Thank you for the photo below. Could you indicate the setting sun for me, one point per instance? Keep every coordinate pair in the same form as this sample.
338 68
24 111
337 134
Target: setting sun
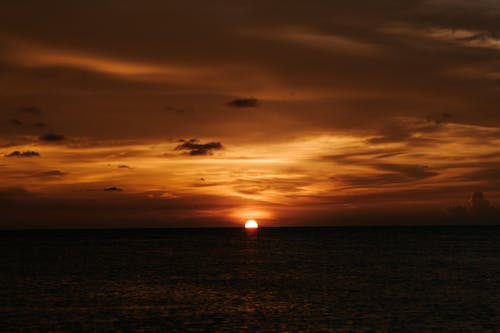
251 224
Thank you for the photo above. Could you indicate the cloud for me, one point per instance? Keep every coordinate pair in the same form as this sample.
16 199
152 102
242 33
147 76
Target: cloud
486 6
50 174
16 122
411 130
370 153
393 132
123 166
51 137
30 55
10 195
393 174
271 184
40 124
468 38
28 153
373 180
477 208
439 118
479 205
457 36
409 170
486 176
324 41
199 149
21 208
243 102
30 110
180 110
113 189
458 212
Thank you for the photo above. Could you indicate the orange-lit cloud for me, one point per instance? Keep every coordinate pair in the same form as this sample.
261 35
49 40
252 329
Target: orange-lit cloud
268 178
33 55
318 40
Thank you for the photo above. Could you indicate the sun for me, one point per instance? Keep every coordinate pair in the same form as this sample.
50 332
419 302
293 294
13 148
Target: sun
251 224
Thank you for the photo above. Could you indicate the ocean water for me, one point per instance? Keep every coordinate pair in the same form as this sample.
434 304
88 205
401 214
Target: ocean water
426 279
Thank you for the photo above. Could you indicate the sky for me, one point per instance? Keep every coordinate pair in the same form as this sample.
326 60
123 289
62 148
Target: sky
205 114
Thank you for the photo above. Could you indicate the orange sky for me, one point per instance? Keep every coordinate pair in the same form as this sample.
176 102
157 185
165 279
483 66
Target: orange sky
119 114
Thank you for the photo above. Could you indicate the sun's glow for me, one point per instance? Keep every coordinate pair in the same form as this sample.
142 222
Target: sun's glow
251 224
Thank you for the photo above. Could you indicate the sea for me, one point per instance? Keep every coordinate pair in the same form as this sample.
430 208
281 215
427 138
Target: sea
349 279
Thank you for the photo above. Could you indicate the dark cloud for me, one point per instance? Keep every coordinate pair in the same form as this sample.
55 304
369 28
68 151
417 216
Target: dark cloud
31 110
16 122
477 209
479 206
124 167
363 153
199 149
458 212
244 102
394 174
52 137
10 195
392 132
375 158
255 186
486 176
113 189
387 155
409 170
440 118
40 124
179 110
371 180
50 174
28 153
490 155
399 131
102 209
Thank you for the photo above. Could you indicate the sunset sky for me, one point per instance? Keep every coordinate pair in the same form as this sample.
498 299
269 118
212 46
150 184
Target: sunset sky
207 113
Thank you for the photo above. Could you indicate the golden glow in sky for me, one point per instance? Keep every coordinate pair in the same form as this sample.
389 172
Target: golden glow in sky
295 117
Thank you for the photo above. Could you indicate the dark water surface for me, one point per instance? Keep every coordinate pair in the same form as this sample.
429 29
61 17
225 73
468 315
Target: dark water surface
429 279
